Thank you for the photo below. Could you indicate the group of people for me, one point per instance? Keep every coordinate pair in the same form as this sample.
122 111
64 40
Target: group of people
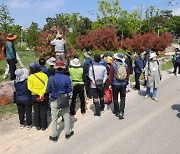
101 78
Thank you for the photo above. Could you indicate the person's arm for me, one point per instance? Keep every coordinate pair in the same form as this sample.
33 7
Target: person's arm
91 76
65 47
69 84
53 42
128 73
105 75
48 88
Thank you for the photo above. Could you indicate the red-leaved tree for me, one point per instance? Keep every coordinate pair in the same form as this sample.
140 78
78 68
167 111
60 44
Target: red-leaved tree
2 42
104 38
149 40
43 47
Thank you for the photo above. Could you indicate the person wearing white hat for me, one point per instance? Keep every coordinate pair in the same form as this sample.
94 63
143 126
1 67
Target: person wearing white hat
22 98
153 75
76 73
60 48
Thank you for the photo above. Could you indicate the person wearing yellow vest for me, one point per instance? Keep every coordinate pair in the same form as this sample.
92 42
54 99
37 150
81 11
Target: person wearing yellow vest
37 83
76 73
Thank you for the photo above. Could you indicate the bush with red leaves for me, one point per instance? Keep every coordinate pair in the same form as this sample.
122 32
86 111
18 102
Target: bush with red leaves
43 47
149 40
104 38
2 42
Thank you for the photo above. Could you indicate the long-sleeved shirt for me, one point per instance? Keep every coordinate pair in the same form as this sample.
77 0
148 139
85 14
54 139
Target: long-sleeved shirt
58 84
100 73
10 50
138 65
35 85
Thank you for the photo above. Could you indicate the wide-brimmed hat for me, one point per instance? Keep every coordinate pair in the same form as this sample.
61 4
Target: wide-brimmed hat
152 55
75 62
51 61
11 37
59 64
119 56
21 74
59 36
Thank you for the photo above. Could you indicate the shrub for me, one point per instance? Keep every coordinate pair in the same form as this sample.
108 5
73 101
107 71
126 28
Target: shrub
149 40
103 38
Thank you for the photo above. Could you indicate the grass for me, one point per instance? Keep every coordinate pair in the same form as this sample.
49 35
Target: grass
167 66
8 109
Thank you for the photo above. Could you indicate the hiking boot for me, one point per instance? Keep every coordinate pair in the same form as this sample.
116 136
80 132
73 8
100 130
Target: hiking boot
83 111
38 128
21 126
69 135
97 114
121 116
53 138
43 129
72 113
155 99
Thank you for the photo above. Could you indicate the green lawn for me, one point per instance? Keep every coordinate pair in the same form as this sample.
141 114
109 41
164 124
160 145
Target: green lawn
10 108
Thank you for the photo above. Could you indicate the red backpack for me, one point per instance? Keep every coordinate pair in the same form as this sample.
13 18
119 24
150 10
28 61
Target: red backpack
3 50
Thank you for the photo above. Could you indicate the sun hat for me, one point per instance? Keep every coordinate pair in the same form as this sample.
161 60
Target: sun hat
75 62
21 74
119 56
97 58
51 61
59 64
152 55
11 37
33 65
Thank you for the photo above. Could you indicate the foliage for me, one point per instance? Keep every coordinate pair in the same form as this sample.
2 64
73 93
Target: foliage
43 47
103 38
5 19
32 34
175 25
149 40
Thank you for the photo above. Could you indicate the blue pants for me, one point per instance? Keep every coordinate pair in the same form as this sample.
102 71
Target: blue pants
148 91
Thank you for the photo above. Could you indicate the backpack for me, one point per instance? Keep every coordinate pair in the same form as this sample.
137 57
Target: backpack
121 72
174 58
3 50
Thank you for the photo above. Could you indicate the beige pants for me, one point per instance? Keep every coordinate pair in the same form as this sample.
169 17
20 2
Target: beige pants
61 57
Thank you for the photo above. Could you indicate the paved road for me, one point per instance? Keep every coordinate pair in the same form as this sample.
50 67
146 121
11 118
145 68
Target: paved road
148 128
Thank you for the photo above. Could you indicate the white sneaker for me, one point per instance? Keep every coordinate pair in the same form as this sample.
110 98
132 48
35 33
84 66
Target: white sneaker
146 96
28 127
21 126
172 74
177 75
155 99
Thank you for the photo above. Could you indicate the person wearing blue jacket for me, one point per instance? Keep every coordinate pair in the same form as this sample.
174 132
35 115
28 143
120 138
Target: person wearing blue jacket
138 68
59 83
11 55
23 98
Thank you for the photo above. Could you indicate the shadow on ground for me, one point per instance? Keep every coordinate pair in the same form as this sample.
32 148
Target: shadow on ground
177 107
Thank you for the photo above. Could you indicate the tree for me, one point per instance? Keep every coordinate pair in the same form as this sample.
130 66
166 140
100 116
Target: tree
5 19
31 35
175 26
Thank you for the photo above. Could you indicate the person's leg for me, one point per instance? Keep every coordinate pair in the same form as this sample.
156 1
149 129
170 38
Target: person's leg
28 110
82 98
96 101
63 58
12 68
128 86
123 97
137 76
54 118
36 107
73 103
179 68
101 96
148 91
43 114
115 90
175 68
21 112
154 92
58 56
67 125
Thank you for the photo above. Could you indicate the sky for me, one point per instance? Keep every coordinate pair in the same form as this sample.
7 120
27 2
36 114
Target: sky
24 12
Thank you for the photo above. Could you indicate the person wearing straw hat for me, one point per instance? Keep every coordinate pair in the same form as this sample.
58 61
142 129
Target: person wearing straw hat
153 75
59 85
11 55
22 98
60 48
76 73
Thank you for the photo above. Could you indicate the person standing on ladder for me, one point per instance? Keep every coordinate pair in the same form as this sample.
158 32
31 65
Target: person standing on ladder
60 48
11 55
